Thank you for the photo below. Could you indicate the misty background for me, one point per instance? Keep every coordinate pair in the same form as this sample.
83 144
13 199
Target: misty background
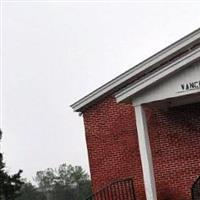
55 52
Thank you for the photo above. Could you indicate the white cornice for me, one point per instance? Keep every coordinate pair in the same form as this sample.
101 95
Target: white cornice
134 88
86 101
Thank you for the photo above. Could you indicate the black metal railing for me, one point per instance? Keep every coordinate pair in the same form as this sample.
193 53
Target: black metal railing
118 190
196 190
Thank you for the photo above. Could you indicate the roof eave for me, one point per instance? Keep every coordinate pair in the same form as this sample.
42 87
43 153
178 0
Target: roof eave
133 89
88 100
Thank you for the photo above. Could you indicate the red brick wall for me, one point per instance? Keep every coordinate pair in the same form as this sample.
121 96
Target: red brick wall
114 154
175 141
112 144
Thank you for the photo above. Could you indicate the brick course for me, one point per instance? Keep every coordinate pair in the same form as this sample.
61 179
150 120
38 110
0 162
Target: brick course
175 142
113 150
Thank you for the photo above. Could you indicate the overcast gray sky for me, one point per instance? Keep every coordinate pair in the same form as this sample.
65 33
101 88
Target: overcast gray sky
56 52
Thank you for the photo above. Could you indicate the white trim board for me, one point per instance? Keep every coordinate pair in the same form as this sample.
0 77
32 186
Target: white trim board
134 88
160 57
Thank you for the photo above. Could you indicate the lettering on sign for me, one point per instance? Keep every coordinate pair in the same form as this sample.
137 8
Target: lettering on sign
194 85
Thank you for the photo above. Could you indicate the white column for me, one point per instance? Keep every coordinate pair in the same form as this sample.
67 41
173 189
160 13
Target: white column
145 153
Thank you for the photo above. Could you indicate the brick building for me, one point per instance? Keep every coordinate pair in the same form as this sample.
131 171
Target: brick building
145 124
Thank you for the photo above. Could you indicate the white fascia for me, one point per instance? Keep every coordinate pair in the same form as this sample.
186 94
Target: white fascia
134 88
155 59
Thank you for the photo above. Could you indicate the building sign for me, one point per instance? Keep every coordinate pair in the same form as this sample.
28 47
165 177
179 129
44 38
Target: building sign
194 85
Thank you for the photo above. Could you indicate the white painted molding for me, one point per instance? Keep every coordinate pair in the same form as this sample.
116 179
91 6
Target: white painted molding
134 88
171 88
134 71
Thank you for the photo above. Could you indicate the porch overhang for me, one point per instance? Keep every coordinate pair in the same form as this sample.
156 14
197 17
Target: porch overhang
176 80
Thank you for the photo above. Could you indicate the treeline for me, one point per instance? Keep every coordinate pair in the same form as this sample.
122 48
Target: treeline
9 184
65 183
